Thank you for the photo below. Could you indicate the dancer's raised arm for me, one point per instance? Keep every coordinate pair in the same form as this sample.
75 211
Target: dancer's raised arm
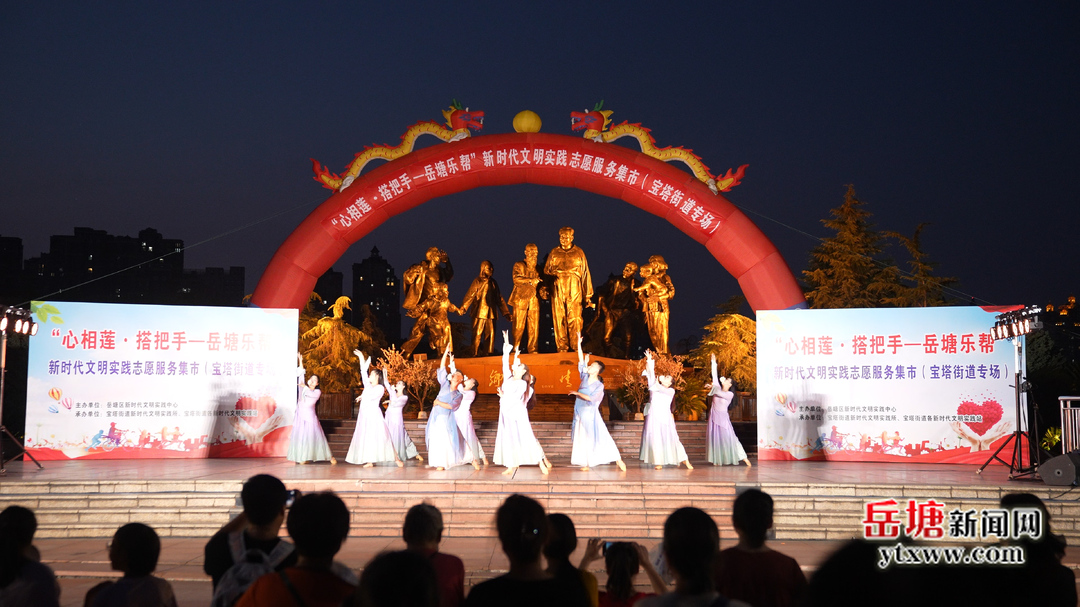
386 382
300 371
582 358
507 348
650 369
365 362
715 382
441 374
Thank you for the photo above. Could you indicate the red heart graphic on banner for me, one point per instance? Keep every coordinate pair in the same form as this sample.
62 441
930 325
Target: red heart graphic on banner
990 411
265 406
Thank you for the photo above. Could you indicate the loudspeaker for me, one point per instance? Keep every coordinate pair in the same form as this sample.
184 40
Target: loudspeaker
1061 470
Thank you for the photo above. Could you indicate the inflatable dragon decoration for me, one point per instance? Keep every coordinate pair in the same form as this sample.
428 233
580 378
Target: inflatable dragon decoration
596 124
459 120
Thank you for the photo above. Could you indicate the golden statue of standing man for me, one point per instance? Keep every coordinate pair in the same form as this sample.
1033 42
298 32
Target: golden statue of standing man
425 294
524 300
573 286
481 302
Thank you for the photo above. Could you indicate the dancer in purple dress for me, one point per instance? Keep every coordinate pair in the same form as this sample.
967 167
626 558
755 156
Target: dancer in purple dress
395 420
723 446
660 444
474 451
307 441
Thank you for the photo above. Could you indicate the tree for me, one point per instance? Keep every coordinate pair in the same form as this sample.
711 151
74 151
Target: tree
732 337
329 350
690 390
309 317
844 271
421 382
922 288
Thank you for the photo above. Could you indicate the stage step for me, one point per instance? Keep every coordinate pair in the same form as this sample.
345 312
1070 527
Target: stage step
199 508
608 506
554 437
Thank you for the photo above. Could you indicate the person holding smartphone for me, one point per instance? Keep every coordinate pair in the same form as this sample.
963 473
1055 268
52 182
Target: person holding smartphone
622 561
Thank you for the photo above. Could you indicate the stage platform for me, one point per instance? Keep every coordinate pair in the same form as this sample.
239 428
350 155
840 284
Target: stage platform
818 505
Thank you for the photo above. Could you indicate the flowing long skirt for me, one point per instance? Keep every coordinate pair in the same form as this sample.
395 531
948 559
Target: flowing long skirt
515 443
592 443
395 424
307 441
723 446
371 441
473 448
444 445
660 444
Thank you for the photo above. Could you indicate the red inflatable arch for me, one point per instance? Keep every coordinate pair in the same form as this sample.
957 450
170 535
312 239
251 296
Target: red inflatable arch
545 159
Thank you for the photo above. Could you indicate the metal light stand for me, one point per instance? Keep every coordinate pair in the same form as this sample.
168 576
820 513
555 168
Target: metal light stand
1016 468
19 449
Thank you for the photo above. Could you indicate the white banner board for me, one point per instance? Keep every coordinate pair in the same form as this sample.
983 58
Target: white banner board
114 381
909 384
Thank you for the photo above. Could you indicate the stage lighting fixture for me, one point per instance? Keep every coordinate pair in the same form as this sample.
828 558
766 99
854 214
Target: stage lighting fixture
23 324
1016 323
1013 325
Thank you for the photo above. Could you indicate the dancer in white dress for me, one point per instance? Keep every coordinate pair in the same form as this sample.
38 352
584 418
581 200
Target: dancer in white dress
723 446
592 443
445 445
371 440
395 420
474 451
515 443
660 444
307 441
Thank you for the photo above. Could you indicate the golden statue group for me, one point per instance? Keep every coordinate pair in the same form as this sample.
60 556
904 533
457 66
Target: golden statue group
565 281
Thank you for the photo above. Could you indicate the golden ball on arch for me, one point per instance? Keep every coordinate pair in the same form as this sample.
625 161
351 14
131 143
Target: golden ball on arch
527 121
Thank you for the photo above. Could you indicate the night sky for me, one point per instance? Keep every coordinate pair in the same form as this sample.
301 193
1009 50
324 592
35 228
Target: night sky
199 118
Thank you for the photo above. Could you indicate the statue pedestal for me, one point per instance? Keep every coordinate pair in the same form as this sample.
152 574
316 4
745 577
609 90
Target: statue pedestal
555 373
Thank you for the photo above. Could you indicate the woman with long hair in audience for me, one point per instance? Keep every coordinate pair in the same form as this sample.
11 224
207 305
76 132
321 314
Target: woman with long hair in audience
523 530
23 579
515 443
660 444
371 441
691 546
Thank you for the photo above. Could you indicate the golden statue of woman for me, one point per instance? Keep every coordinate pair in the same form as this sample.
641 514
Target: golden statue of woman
425 294
655 292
